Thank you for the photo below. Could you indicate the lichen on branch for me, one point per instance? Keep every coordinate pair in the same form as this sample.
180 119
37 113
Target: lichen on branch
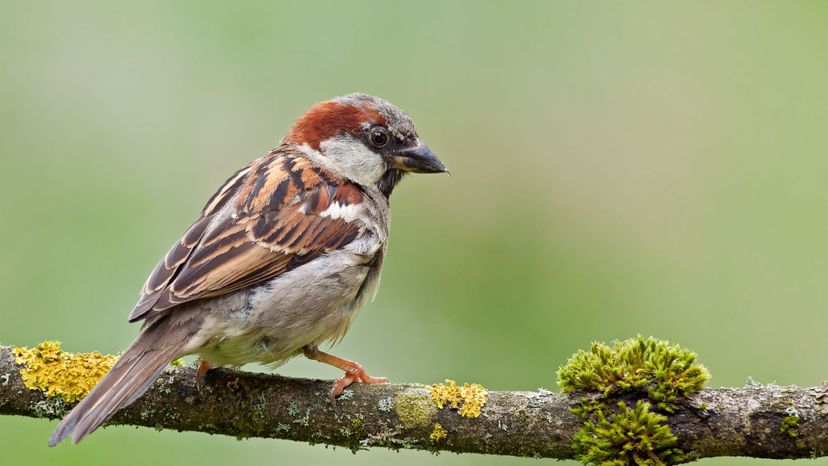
756 420
71 376
468 399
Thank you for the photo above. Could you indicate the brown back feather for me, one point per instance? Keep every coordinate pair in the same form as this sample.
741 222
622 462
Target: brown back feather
276 226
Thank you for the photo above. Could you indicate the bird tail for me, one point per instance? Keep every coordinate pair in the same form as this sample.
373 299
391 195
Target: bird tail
159 343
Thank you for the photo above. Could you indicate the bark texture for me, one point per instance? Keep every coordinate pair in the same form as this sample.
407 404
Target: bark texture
744 421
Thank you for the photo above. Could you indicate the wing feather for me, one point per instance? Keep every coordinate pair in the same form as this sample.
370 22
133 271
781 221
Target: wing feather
268 218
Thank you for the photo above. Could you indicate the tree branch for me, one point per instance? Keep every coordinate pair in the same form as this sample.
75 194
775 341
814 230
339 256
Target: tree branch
715 422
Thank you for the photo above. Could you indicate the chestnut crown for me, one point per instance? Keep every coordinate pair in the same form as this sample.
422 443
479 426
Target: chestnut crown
363 138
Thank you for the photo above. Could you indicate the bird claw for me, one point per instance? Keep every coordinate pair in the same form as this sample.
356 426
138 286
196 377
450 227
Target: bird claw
203 367
356 373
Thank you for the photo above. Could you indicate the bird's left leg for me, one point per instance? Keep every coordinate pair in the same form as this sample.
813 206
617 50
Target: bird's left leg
354 372
203 367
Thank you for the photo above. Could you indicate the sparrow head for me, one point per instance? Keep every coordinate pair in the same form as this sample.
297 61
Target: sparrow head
365 139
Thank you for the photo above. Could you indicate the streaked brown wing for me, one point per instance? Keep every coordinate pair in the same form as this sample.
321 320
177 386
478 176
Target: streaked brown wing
280 222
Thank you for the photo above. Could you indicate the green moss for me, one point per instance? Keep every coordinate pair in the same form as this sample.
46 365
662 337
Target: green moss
629 436
612 433
790 426
650 366
588 407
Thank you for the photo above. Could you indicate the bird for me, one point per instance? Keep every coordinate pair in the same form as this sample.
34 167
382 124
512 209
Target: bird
279 261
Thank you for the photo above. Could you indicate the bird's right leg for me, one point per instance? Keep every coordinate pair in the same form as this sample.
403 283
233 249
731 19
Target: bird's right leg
354 372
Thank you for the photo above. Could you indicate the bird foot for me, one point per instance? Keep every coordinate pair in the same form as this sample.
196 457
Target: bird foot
203 367
354 373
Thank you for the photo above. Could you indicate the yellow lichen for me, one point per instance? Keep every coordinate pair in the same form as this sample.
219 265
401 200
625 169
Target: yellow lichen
438 433
448 393
470 398
70 376
414 410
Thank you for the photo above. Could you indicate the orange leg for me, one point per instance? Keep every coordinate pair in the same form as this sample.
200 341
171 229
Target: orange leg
203 367
353 371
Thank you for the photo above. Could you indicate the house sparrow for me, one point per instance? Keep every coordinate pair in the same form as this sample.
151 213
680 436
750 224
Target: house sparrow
279 261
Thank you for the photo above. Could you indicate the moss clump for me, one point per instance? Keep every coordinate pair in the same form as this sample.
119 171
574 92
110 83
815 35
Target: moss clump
469 399
71 376
649 365
613 434
790 426
629 436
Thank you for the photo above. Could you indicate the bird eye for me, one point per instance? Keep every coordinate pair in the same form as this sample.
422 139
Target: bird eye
378 136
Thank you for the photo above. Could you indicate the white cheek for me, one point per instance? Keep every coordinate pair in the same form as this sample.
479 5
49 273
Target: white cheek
351 159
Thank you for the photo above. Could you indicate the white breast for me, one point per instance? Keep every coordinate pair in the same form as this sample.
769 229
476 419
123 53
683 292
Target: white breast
311 304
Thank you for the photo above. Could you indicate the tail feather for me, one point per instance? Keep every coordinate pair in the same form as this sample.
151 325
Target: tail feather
159 343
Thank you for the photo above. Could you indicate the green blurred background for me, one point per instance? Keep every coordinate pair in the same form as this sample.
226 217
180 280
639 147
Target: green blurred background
617 168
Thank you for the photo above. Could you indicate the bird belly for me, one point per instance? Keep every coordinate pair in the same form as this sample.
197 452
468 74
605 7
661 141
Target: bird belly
308 305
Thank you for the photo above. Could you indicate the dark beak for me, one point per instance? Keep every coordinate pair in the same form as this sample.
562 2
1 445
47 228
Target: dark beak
418 159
